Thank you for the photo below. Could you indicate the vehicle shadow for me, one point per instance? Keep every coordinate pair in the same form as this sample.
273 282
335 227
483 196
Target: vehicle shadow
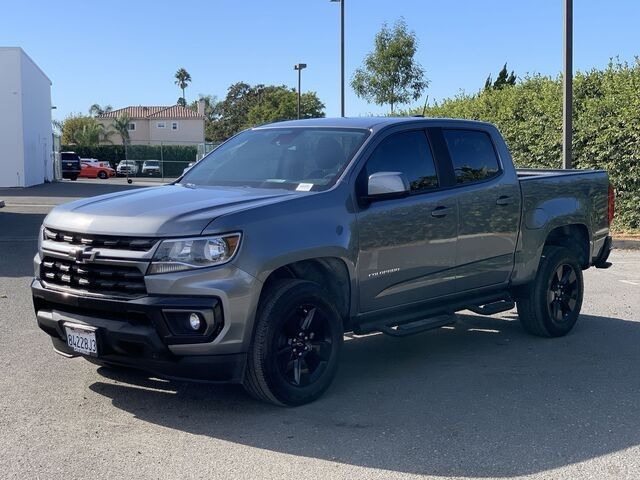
19 242
481 399
65 189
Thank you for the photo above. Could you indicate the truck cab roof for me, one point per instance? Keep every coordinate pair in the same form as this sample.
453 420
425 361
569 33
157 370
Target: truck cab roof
366 122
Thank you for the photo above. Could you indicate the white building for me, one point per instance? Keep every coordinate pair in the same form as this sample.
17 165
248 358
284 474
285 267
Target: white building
26 148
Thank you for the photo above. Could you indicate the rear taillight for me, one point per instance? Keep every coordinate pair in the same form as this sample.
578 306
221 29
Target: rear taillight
611 203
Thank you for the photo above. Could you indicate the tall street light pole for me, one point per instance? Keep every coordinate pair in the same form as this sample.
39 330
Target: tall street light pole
567 116
341 55
299 67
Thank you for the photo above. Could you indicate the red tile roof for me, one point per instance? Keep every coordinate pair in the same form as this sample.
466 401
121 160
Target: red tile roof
163 112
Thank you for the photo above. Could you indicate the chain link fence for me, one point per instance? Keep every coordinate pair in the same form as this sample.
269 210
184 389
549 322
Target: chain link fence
164 161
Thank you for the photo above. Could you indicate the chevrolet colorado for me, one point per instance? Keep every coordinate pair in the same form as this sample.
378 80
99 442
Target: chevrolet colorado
252 265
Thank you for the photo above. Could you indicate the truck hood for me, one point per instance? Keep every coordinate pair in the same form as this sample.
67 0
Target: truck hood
171 210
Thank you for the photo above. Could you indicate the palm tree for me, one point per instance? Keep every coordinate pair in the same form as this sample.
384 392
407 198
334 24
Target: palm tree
182 81
90 135
121 125
96 110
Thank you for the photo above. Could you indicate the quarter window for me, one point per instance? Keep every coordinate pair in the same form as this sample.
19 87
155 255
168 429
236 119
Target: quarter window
408 153
472 154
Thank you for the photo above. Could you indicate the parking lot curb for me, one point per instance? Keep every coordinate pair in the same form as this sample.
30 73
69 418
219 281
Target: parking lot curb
626 243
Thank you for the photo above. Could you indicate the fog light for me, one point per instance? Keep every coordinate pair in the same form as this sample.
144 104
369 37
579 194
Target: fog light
194 321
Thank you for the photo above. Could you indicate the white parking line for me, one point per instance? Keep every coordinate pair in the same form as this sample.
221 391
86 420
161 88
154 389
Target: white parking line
629 282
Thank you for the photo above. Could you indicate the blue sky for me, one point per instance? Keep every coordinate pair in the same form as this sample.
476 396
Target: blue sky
126 52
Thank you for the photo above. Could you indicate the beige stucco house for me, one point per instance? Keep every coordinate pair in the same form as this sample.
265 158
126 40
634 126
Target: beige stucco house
172 125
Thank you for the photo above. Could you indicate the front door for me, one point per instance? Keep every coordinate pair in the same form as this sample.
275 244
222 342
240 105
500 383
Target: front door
407 246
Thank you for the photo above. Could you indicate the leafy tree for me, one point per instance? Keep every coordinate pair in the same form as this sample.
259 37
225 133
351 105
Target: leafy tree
280 103
90 135
71 127
210 104
504 79
606 125
390 74
210 113
82 130
183 79
96 110
232 111
246 106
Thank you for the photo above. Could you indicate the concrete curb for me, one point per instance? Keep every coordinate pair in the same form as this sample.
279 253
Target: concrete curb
626 243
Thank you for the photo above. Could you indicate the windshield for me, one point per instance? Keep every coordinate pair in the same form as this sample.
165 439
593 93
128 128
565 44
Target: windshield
300 159
152 163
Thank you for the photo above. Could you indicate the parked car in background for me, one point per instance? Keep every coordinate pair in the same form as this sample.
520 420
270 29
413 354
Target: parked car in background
127 167
95 162
151 168
91 170
70 163
186 169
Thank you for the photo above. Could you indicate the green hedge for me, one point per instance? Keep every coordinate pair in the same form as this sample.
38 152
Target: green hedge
175 157
606 126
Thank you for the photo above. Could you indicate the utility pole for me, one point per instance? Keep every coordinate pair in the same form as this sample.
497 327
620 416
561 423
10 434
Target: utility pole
341 55
567 114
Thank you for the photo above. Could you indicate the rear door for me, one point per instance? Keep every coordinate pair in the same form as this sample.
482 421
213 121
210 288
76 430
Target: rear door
406 246
489 205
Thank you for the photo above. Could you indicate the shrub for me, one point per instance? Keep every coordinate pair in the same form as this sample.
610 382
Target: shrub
606 126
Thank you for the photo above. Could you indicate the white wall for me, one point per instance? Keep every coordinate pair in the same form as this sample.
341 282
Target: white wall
11 144
36 123
25 121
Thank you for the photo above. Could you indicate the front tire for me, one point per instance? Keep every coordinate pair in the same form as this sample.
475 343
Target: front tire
294 353
550 305
102 175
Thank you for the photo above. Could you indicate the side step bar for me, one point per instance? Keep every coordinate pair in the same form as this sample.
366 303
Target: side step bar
492 308
418 326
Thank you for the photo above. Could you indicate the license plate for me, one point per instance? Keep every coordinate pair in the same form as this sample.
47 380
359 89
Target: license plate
82 339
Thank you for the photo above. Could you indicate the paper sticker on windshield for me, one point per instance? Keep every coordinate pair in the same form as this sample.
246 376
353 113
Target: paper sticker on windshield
304 187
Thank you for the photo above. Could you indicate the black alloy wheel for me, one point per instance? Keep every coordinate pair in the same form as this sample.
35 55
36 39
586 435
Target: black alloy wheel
303 346
562 294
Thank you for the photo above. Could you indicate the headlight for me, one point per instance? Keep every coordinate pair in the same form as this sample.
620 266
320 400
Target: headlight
197 252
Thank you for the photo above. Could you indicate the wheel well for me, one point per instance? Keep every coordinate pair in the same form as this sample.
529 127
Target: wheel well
331 273
574 237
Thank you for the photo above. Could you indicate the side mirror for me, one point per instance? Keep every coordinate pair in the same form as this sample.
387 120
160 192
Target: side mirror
386 185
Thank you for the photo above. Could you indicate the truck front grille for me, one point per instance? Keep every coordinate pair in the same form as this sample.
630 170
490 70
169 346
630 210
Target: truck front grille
105 241
111 280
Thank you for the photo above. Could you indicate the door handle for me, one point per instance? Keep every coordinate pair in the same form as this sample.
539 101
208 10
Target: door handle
504 200
440 212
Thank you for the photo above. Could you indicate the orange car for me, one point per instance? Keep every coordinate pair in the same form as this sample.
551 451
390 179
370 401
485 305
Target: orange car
96 170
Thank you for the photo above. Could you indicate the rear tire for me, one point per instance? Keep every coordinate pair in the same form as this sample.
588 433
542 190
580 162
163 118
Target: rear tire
549 306
296 344
74 178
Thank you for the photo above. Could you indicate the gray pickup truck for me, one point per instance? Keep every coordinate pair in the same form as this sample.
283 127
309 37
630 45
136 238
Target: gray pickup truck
251 266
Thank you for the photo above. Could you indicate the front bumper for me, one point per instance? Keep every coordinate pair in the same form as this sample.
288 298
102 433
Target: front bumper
138 333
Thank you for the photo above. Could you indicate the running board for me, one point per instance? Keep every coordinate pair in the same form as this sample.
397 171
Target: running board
418 326
492 308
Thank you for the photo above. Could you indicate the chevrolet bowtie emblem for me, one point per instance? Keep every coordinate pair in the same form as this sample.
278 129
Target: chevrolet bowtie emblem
83 255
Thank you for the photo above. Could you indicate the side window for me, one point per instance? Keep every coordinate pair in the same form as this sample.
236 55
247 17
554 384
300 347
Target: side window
409 153
472 154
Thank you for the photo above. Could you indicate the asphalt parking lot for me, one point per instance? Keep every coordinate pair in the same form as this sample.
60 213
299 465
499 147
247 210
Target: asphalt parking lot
480 399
